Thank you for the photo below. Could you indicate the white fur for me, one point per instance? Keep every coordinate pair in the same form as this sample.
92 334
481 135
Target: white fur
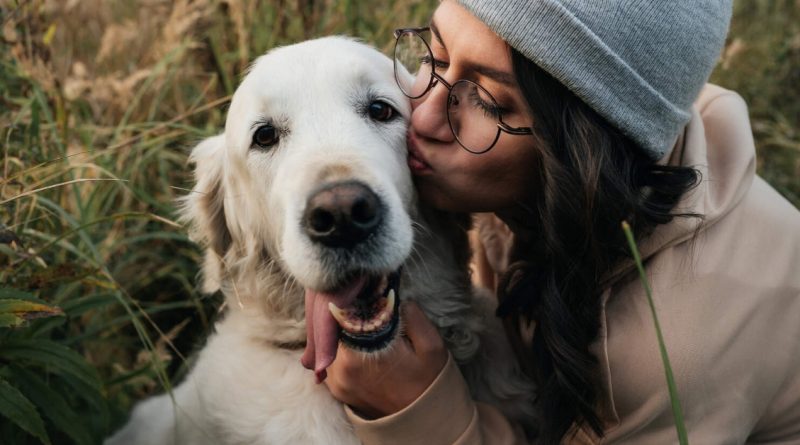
247 386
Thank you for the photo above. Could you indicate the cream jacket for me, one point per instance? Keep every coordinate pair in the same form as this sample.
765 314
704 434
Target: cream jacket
728 302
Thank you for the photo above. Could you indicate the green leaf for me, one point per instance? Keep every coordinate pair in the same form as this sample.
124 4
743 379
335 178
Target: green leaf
20 410
677 413
6 292
21 310
78 306
52 355
10 321
93 397
52 405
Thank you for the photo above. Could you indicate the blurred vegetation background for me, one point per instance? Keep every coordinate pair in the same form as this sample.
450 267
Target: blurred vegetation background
100 102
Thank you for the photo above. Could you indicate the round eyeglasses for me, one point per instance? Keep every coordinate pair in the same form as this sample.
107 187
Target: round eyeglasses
473 114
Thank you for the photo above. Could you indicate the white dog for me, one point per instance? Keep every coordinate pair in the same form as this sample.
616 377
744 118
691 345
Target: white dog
313 233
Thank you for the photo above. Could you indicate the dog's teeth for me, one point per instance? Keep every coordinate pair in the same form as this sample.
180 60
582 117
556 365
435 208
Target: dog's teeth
390 301
384 283
357 326
339 314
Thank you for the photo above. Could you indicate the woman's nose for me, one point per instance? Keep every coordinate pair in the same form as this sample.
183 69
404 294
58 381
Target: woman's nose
429 115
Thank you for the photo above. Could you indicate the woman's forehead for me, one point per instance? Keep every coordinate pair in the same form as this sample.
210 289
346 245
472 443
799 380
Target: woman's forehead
468 39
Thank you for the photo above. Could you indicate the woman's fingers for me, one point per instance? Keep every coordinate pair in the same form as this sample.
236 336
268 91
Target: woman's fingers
422 334
388 381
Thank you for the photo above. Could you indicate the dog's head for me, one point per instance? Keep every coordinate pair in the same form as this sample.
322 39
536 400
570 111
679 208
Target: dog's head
309 182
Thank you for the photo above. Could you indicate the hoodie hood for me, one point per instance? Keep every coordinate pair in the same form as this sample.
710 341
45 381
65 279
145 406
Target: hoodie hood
718 142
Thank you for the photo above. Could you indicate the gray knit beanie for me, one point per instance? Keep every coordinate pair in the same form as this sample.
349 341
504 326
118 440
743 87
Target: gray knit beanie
639 63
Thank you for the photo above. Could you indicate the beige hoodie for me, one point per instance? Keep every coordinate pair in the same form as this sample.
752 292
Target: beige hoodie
728 302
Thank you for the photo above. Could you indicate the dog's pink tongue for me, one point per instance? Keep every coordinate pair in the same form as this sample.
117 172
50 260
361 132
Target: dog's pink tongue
322 331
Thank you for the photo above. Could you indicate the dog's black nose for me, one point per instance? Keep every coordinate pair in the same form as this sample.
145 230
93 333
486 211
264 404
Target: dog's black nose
342 214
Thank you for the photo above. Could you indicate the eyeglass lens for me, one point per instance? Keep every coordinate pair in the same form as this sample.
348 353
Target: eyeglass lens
471 111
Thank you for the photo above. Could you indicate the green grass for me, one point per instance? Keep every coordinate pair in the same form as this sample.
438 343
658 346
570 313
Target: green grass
100 102
672 388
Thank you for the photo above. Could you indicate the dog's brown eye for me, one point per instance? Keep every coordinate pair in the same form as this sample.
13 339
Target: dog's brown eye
265 136
381 111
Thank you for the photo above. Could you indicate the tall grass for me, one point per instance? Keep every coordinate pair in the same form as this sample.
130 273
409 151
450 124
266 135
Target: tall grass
100 102
762 63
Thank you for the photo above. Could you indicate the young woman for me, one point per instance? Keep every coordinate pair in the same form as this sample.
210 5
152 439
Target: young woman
561 119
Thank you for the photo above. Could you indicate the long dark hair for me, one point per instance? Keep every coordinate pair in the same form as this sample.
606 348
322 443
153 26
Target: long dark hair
591 177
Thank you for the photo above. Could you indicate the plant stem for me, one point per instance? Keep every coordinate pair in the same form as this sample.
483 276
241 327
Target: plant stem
677 413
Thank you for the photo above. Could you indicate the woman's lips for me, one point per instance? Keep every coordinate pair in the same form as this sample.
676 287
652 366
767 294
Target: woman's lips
416 161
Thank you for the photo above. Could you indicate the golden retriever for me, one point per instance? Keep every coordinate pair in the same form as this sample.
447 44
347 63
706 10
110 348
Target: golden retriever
313 233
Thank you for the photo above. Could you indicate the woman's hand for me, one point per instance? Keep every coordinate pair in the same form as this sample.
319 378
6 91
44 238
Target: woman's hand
378 386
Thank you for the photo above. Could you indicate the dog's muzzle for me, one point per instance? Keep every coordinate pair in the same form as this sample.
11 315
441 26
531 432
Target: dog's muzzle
342 214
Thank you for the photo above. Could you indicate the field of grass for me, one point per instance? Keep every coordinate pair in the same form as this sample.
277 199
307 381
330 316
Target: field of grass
100 102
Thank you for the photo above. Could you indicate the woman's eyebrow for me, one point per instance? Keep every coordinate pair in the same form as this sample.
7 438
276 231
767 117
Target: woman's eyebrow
500 76
435 31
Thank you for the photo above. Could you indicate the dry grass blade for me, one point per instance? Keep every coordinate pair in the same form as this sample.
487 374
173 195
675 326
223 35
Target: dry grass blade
61 184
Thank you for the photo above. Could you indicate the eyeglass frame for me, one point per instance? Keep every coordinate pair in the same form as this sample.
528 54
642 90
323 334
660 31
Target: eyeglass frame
437 78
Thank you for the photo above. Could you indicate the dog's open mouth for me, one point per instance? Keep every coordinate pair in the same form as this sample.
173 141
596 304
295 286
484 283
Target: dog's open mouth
370 322
362 312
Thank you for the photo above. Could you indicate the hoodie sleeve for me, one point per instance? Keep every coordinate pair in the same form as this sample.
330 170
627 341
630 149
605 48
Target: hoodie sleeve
444 414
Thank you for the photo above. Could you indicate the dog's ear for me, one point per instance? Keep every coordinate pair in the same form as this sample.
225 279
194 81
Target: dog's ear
204 210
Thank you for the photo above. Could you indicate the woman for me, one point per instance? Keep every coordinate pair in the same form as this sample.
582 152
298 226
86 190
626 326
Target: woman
571 117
